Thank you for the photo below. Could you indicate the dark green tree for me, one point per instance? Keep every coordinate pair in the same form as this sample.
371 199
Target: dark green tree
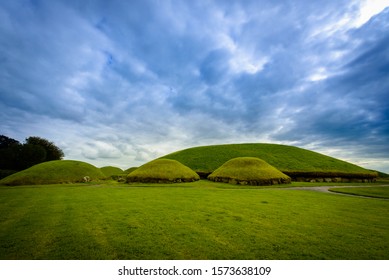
52 151
9 151
15 156
30 155
6 142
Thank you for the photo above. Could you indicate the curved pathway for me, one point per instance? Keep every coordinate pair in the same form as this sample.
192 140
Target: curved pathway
325 189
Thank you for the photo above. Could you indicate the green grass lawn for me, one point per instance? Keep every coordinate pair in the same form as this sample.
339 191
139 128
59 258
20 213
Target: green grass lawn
379 192
196 220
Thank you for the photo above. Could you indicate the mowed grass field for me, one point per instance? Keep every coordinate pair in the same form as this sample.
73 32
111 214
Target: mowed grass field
196 220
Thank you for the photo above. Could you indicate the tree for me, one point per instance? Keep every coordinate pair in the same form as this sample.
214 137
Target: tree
15 156
52 151
30 155
9 151
6 142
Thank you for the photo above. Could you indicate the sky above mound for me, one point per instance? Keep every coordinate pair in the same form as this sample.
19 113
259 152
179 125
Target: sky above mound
123 82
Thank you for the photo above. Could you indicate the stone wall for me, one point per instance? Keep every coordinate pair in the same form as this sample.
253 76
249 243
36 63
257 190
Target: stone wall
333 180
259 182
312 179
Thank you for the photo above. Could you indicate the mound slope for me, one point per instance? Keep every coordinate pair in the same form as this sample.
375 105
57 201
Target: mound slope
111 170
249 171
293 161
54 172
129 170
163 171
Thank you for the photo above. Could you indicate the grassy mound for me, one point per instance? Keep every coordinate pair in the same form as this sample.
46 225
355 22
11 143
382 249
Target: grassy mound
111 171
129 170
54 172
249 171
382 175
163 171
290 160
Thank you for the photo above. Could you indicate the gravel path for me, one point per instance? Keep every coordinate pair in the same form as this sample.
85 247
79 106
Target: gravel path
325 189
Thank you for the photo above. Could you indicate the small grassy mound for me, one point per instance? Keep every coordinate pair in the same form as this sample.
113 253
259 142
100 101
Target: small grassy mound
111 171
249 171
55 172
163 171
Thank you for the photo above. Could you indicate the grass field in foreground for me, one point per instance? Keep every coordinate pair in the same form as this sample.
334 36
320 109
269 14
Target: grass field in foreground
188 221
379 192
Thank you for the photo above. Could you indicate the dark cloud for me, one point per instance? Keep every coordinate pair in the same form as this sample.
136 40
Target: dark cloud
351 108
127 81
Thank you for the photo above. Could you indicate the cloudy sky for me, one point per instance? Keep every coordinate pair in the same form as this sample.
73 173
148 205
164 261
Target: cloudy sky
123 82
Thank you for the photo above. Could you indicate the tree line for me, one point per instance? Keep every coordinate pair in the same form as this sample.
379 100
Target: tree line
16 156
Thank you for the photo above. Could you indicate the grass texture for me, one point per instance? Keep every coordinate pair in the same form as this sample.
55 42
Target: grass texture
188 221
163 170
54 172
111 170
248 170
129 170
288 159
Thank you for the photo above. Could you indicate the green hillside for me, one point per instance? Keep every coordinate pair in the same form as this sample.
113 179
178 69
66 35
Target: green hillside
54 172
382 175
290 160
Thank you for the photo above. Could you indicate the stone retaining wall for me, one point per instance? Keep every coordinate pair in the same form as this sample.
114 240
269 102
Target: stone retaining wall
333 180
274 181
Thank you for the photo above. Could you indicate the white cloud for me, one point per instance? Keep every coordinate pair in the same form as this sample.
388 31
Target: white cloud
328 25
319 74
368 9
100 149
242 62
242 59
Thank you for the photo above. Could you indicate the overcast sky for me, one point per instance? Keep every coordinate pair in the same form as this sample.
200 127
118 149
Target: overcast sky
123 82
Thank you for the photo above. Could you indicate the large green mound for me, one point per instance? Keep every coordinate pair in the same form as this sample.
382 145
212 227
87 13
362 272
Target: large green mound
111 170
55 172
293 161
249 171
163 171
